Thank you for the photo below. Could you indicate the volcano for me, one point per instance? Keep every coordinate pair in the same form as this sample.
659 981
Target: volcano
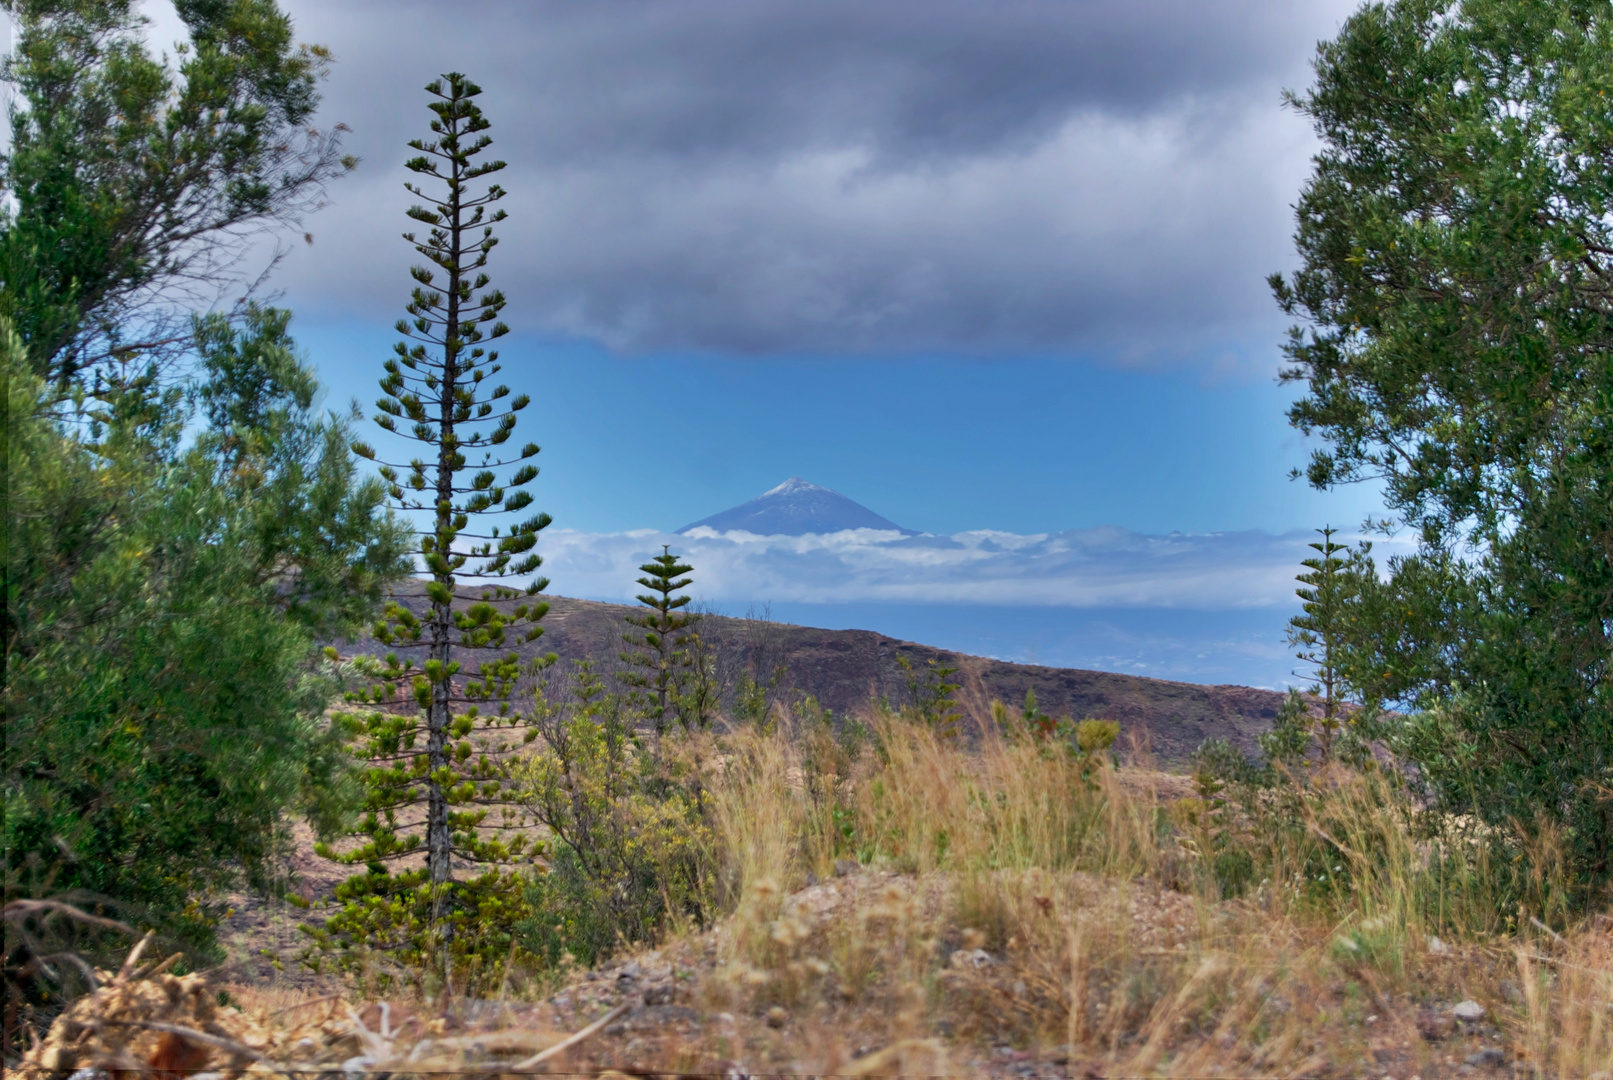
796 508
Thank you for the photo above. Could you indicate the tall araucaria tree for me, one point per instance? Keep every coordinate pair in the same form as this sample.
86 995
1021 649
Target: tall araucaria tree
430 746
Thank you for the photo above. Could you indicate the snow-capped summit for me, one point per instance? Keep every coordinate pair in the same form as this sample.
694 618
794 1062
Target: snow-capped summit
796 508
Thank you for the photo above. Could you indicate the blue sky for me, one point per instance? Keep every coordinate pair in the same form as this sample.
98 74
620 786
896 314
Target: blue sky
978 267
939 444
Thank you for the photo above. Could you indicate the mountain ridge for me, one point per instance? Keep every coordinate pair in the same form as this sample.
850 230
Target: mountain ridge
851 671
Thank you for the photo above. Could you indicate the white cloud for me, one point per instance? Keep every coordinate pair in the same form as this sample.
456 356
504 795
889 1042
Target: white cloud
1091 568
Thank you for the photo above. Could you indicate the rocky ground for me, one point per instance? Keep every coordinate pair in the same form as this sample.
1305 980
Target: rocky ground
713 1003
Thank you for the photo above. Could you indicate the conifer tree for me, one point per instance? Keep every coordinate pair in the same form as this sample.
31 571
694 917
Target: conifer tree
418 735
1318 631
657 658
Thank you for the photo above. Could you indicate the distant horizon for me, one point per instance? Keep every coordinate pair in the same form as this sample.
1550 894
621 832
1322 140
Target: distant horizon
1208 608
1013 300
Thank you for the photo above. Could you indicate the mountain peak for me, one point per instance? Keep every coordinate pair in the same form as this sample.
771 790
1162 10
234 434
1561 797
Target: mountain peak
791 486
796 508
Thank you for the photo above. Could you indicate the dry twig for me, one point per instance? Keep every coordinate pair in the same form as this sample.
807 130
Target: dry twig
568 1042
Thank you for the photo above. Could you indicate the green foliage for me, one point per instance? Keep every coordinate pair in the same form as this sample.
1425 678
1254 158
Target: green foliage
163 695
756 696
1087 741
929 695
659 662
1454 239
630 845
438 736
700 695
382 930
1327 633
1320 630
136 184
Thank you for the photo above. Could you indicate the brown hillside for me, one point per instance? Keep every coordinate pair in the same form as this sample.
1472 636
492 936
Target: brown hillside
849 670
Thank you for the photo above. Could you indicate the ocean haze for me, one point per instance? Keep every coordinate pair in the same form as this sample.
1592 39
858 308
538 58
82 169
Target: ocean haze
1207 608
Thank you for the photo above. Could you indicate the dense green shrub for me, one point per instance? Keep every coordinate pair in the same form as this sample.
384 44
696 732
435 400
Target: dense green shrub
630 848
163 694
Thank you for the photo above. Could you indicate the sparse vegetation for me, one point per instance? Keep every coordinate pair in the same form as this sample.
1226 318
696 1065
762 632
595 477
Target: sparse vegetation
1002 898
858 894
630 849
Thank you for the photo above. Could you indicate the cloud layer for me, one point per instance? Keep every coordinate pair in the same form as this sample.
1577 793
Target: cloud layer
1033 176
1091 568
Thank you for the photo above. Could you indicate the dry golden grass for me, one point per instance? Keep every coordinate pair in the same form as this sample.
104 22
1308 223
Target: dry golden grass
1023 911
923 907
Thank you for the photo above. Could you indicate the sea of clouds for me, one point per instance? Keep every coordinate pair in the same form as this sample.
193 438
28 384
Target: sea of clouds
1105 567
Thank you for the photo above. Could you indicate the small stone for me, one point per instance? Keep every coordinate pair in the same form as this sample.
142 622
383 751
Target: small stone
1438 947
1489 1057
90 1074
846 866
1468 1011
971 958
628 971
777 1017
1434 1027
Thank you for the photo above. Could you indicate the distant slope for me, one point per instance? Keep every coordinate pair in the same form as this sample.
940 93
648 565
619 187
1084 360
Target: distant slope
849 670
796 508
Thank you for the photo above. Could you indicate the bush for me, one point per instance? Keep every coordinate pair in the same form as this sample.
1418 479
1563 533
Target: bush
383 933
630 850
163 694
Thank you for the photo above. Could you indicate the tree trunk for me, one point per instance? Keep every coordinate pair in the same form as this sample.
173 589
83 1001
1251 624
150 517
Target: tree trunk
439 837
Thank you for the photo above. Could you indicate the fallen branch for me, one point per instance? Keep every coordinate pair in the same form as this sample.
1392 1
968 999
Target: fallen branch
218 1042
17 909
889 1061
568 1042
1555 935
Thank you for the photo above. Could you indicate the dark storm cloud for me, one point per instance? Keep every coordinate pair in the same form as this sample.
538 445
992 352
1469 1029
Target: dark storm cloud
927 81
876 177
